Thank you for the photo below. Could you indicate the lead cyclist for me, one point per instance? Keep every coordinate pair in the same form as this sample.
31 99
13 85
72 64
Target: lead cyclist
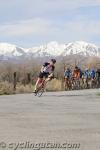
47 72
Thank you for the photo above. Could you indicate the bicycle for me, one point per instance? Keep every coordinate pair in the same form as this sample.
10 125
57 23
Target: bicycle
41 89
93 83
75 84
67 84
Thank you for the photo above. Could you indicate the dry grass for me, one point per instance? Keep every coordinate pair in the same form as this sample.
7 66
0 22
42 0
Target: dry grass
6 88
24 89
54 85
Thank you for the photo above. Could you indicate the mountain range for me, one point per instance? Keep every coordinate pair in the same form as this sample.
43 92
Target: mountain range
52 49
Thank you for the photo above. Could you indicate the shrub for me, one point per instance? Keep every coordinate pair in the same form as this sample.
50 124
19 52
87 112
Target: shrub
6 88
54 85
24 89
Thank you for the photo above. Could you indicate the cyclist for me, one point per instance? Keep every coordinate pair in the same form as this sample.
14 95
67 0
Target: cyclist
93 78
81 73
67 77
67 73
76 73
76 78
87 77
93 74
87 73
47 72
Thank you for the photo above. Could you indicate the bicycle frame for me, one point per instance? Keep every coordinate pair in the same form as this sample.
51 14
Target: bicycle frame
40 89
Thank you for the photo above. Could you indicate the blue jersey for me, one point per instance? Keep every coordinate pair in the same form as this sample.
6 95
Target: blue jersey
93 74
87 74
67 73
81 73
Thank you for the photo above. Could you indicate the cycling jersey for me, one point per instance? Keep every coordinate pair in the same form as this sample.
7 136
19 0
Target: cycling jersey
81 73
67 74
76 74
87 74
93 74
47 68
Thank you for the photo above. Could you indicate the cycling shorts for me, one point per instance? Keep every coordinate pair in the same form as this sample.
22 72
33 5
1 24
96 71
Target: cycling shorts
43 74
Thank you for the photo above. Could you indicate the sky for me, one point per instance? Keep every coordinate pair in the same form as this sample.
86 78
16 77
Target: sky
28 23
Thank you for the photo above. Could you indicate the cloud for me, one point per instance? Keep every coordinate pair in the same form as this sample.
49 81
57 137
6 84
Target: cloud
84 30
26 9
25 28
47 20
48 30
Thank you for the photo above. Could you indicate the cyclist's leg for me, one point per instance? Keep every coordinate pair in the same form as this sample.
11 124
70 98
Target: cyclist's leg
72 83
39 81
82 82
93 82
87 82
47 80
68 84
48 77
79 83
65 83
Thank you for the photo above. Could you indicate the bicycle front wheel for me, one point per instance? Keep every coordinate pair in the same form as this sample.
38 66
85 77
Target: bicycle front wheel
40 92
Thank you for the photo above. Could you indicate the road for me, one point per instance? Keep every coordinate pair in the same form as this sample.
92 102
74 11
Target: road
72 117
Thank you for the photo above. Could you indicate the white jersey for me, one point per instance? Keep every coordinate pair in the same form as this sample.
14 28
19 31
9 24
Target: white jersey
47 68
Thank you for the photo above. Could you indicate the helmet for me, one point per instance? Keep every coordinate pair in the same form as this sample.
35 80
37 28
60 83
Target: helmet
53 60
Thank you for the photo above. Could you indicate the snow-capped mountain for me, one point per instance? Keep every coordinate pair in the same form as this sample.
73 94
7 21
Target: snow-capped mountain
9 50
81 48
52 49
56 49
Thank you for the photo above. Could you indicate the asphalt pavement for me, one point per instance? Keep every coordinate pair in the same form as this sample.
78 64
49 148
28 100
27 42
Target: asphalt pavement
64 118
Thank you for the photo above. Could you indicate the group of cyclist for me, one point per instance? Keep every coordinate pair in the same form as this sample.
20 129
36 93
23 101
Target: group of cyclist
72 78
78 78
